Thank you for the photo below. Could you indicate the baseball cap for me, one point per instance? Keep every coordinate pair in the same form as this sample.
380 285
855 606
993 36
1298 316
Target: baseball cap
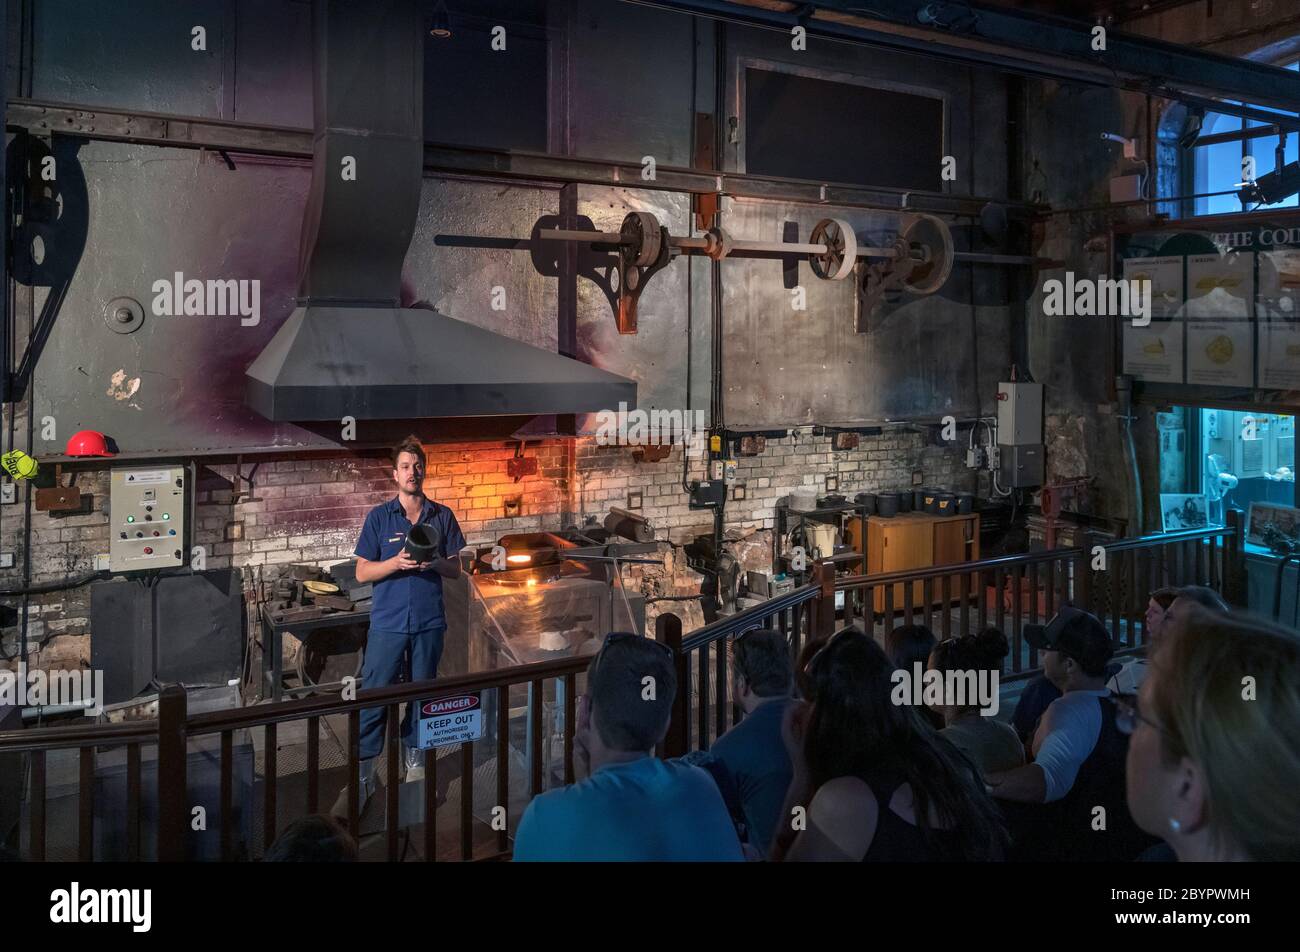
1075 633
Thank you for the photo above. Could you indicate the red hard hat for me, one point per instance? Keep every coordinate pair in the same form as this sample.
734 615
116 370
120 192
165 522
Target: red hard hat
88 443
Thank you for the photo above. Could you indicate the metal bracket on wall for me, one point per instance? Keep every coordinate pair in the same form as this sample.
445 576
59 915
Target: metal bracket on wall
59 498
238 493
520 465
644 253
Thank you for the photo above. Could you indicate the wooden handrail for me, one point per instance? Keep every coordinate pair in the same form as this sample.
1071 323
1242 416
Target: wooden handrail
734 624
281 711
86 735
1025 558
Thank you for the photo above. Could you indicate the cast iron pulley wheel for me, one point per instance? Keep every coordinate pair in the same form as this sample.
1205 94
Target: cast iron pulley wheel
930 246
841 254
641 231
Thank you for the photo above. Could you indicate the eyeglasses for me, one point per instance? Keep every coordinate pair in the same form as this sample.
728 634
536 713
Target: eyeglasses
1127 716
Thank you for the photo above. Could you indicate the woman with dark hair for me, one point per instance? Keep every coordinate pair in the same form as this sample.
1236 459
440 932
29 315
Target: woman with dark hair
877 784
907 646
990 744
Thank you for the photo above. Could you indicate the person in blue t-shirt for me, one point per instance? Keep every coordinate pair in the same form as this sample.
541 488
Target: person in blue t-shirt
407 622
753 751
628 805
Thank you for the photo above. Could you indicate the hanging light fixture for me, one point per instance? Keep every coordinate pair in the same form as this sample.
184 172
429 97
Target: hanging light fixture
441 27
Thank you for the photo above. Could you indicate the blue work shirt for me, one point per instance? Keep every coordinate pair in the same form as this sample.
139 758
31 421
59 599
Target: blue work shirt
410 600
755 756
648 810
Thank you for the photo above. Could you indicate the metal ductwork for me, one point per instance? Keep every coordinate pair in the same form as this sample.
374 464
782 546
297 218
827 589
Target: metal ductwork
349 348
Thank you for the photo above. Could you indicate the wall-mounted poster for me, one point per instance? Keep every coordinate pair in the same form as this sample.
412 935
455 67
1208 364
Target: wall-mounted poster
1221 287
1166 277
1221 353
1279 353
1279 283
1183 511
1154 352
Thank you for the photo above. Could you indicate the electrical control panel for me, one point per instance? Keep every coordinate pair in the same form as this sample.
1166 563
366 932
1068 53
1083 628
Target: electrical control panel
1020 414
146 519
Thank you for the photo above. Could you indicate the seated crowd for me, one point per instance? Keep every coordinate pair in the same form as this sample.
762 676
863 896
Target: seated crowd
1183 753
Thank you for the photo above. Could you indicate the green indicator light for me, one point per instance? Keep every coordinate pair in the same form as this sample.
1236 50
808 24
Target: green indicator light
130 518
166 516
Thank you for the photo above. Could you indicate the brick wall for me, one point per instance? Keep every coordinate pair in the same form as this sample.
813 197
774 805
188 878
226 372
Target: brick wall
310 510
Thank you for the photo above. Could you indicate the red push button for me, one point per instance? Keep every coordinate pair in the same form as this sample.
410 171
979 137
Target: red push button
148 550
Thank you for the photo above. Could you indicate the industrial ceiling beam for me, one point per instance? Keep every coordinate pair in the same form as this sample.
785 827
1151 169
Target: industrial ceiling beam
92 122
1034 44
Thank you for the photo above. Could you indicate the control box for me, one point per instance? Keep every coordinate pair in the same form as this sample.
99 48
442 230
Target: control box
1020 466
147 519
708 495
1020 414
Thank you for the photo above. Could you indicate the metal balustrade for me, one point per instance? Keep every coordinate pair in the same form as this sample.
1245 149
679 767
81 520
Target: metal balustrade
1109 577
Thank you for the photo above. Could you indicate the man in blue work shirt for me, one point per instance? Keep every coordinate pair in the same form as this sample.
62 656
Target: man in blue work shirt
407 622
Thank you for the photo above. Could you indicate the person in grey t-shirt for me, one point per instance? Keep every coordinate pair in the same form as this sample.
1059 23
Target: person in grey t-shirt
753 751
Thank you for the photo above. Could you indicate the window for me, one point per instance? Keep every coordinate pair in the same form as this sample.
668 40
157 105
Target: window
1231 456
1217 165
812 127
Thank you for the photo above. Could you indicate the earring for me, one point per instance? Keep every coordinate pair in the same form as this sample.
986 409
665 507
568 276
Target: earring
1175 825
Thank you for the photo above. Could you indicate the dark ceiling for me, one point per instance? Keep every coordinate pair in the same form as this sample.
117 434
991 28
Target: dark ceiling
1120 10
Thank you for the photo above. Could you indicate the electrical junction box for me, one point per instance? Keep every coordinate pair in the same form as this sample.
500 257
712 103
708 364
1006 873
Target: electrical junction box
1020 414
1125 188
1021 466
147 521
708 495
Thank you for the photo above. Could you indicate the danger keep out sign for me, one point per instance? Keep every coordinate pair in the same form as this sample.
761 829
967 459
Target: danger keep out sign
450 720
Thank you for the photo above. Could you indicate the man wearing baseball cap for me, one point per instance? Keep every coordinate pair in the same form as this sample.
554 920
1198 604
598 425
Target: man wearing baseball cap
1078 753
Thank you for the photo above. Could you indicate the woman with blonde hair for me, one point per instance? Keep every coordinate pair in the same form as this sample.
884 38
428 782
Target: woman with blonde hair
1214 761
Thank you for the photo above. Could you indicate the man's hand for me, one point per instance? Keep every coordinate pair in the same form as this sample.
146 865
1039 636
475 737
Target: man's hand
402 562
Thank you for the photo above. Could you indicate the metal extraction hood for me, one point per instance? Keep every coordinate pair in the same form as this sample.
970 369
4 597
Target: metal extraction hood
349 348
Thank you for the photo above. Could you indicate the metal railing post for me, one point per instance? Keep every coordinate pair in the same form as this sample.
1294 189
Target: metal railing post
173 816
1083 588
1234 572
824 604
668 631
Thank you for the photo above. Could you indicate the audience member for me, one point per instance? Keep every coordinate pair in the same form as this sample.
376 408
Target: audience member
1190 595
1129 678
1214 760
1035 698
317 838
990 744
909 645
627 804
877 784
753 751
1078 752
